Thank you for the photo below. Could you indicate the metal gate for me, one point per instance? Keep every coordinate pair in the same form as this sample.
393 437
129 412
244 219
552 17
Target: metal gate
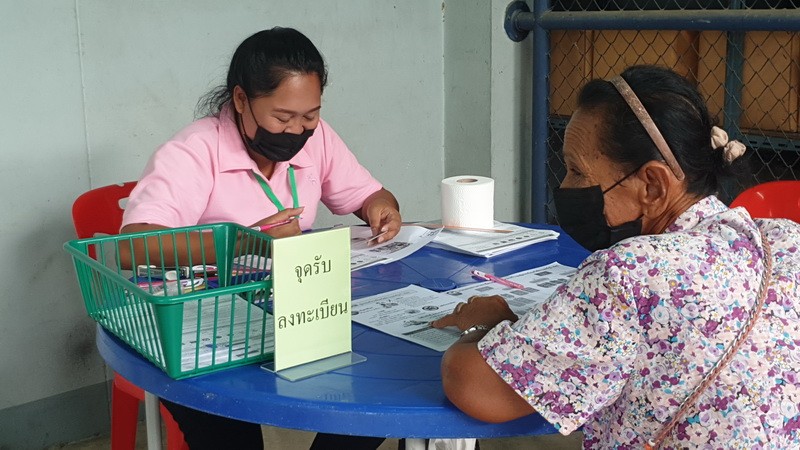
743 55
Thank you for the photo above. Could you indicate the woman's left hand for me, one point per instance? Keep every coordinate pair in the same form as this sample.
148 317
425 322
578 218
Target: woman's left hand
487 311
382 213
468 381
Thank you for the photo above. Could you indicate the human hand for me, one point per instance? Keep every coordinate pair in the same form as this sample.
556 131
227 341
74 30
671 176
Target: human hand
383 218
487 311
291 228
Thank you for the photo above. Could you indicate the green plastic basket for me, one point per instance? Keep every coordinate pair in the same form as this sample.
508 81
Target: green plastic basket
191 315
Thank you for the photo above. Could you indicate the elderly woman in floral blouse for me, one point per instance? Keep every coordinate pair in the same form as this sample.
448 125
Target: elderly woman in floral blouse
682 329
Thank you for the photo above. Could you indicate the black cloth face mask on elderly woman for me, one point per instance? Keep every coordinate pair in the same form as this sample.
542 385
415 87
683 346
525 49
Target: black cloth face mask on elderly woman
580 214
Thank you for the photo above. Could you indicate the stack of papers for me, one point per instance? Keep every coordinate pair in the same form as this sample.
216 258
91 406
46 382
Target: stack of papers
488 244
406 313
242 328
365 252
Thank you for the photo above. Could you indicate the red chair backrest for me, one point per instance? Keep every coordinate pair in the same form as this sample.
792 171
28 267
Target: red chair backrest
774 199
99 210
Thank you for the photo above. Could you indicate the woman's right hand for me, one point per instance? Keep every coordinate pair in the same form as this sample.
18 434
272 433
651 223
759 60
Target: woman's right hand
487 311
290 229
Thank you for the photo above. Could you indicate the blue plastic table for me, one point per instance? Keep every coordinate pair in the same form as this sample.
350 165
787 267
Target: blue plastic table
397 392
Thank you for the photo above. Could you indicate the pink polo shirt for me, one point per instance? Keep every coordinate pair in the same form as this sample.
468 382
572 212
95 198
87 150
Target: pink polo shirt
204 175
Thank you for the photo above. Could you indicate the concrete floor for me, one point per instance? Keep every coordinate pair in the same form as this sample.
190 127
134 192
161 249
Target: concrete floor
283 439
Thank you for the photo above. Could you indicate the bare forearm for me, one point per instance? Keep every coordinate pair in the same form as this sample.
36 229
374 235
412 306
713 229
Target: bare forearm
475 388
184 249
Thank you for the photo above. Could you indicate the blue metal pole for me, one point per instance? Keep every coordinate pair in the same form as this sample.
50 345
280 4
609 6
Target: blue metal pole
734 71
520 20
719 19
539 127
732 103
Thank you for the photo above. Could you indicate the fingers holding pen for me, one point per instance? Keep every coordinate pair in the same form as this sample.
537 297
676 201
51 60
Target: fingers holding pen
286 214
385 224
382 213
281 224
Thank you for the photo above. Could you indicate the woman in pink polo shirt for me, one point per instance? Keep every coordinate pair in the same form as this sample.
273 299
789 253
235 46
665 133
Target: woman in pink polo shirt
261 155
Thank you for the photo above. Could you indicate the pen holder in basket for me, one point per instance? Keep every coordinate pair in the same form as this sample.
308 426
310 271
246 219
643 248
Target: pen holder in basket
191 300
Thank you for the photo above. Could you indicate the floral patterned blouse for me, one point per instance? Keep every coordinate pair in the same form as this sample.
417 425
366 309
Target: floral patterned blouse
621 345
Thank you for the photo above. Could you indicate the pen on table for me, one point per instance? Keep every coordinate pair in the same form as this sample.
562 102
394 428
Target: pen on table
496 279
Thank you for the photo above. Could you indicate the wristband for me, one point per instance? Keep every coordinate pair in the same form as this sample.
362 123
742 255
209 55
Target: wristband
474 328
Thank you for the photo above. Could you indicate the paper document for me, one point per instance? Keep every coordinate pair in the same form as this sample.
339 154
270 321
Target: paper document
407 312
198 345
235 326
491 244
365 254
539 282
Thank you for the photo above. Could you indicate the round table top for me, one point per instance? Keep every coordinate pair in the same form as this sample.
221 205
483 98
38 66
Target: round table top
396 392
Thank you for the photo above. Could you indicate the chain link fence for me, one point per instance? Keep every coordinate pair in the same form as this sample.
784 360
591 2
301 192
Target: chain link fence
750 79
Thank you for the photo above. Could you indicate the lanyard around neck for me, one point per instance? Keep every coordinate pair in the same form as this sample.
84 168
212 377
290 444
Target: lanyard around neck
272 196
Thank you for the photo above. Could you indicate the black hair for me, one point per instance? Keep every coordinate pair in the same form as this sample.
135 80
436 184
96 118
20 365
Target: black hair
679 112
261 63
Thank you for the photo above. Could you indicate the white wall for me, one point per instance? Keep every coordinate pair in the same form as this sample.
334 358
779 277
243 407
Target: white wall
487 103
47 344
144 75
510 122
92 87
84 119
467 78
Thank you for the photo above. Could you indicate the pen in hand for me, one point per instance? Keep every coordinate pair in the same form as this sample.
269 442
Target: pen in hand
373 238
268 226
283 217
370 240
496 279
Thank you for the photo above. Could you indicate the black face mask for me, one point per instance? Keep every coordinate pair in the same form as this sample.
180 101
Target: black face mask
580 214
276 146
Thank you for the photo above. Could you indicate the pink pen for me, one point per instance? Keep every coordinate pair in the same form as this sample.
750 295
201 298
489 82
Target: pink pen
268 226
503 281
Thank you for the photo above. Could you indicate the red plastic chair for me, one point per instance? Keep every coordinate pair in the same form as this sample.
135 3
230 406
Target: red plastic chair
99 211
774 199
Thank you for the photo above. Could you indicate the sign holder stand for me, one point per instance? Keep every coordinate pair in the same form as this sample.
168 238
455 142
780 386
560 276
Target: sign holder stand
317 367
311 305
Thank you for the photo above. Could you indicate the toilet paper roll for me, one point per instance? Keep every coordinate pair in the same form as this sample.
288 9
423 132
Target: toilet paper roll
468 201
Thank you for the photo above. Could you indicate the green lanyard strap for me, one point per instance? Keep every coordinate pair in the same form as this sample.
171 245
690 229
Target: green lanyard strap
272 196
